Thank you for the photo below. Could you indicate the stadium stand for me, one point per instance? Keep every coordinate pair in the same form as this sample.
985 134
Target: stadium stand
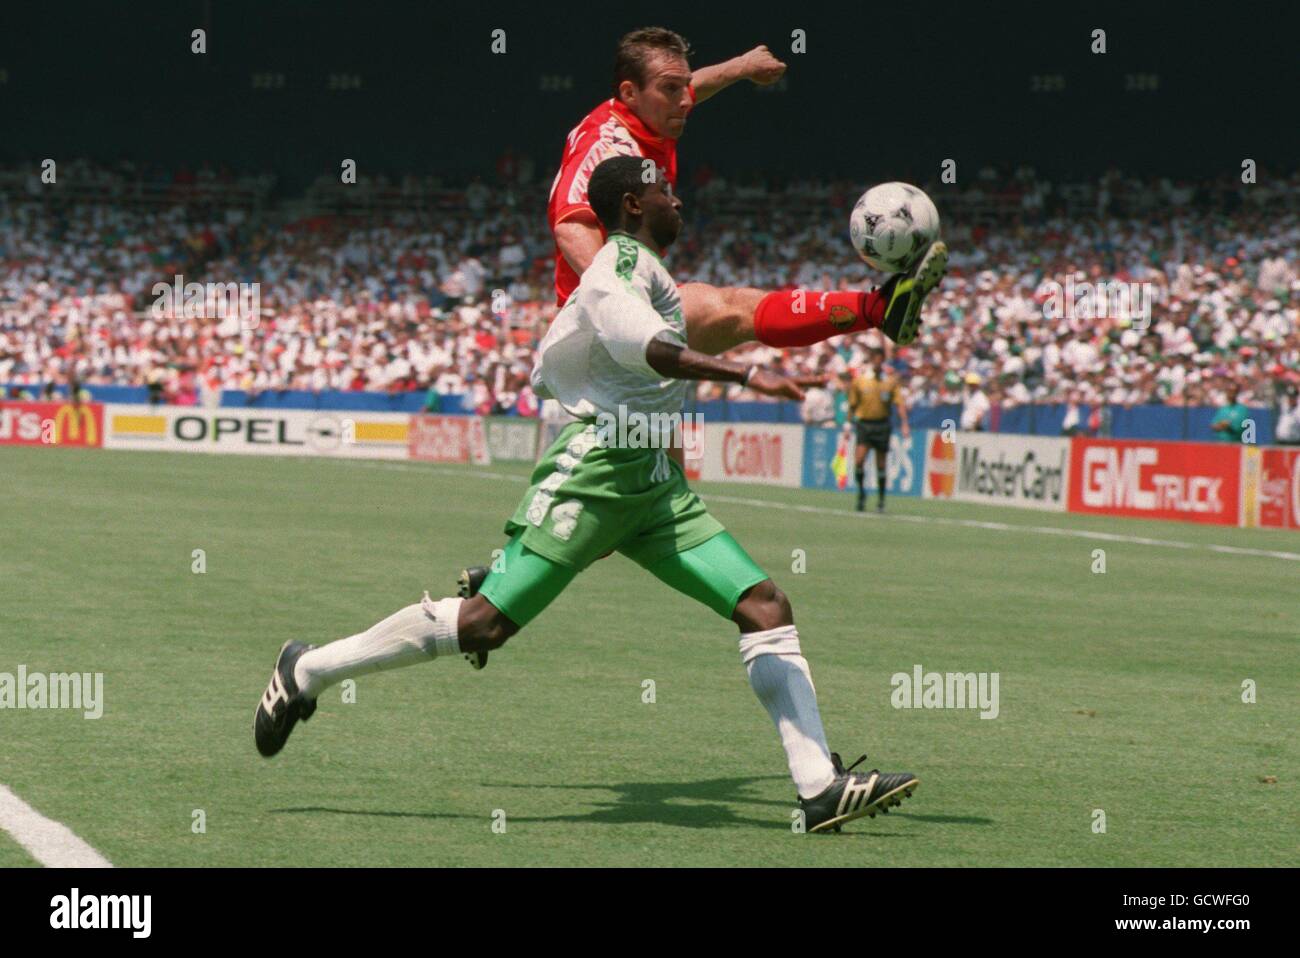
412 285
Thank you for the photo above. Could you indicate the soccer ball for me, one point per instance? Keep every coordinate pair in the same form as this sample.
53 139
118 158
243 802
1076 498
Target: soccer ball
892 225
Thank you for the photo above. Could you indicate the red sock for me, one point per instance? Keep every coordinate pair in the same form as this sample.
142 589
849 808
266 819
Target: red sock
801 317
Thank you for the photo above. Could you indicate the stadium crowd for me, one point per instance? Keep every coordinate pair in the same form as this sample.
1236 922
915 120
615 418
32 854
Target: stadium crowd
452 297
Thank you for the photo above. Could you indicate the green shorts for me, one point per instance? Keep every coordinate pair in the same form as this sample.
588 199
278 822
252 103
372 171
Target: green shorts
586 501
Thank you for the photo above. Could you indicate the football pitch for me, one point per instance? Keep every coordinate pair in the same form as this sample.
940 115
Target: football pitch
1120 739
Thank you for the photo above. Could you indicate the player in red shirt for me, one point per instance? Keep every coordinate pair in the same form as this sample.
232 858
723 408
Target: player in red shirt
655 89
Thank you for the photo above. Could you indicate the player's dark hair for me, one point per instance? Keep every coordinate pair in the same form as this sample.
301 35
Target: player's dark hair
632 58
610 181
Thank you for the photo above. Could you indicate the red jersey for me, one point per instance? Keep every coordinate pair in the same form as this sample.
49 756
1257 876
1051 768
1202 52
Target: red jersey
609 130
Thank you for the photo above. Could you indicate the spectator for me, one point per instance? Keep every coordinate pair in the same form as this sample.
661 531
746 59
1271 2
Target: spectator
432 401
1287 430
1072 424
1233 419
975 404
818 407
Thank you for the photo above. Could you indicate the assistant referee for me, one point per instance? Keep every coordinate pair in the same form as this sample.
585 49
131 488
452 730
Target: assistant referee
871 397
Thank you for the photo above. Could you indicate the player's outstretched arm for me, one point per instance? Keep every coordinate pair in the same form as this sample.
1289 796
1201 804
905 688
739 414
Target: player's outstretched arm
678 362
758 65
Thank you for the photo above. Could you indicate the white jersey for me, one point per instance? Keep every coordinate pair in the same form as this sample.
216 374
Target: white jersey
592 359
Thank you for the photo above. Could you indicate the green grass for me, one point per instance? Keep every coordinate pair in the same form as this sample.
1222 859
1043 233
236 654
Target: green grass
1119 691
12 854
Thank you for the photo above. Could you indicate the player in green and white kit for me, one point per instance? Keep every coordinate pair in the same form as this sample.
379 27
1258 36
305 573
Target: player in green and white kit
615 353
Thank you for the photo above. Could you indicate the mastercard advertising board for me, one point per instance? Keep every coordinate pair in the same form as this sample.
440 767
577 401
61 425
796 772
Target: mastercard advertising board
1028 472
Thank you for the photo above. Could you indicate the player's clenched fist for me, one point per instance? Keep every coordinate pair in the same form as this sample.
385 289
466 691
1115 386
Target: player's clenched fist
761 66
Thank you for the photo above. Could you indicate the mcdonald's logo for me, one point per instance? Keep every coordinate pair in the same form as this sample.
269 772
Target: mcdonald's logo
77 424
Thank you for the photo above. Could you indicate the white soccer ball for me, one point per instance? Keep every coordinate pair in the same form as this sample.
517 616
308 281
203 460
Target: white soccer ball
892 225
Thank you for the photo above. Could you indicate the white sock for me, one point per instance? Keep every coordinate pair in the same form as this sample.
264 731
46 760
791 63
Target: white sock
779 675
414 634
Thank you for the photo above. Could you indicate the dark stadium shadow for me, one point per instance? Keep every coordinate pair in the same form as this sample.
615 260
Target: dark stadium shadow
657 803
710 803
699 804
691 816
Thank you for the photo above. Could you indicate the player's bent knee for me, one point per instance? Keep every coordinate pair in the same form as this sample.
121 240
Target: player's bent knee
718 318
763 607
700 302
742 302
781 607
483 627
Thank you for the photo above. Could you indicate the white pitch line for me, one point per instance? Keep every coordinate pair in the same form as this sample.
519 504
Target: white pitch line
849 514
1011 527
52 844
